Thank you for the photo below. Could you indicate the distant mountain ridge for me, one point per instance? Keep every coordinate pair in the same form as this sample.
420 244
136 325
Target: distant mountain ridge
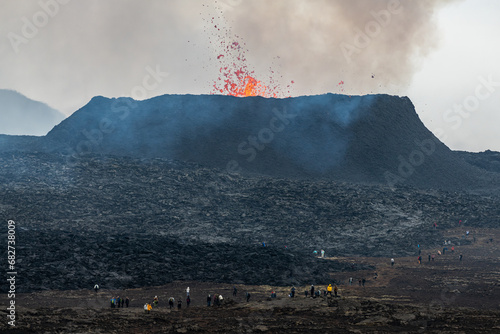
20 115
369 139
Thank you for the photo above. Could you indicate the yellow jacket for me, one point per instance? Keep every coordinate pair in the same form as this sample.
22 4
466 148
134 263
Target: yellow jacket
329 288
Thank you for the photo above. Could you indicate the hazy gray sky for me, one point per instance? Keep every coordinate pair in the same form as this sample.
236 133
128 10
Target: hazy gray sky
443 54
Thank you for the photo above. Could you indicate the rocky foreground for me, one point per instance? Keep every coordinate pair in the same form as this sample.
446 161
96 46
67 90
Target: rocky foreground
442 296
129 223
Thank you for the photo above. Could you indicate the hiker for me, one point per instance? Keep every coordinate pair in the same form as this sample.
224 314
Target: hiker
322 253
187 292
453 249
329 289
127 301
188 301
179 304
335 290
221 299
96 287
273 294
292 292
444 250
432 257
419 260
216 300
248 296
123 301
113 302
363 282
392 262
235 291
350 280
146 308
359 282
171 301
429 257
460 257
312 290
155 301
209 300
118 301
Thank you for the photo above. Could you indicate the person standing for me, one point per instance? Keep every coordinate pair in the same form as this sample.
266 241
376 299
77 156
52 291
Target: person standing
171 301
248 296
96 288
350 280
127 301
392 262
187 292
188 301
209 300
312 290
335 290
235 291
155 301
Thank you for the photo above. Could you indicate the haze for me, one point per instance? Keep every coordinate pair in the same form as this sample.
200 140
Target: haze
435 51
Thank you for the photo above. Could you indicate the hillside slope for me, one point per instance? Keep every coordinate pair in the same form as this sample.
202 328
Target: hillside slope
20 115
372 138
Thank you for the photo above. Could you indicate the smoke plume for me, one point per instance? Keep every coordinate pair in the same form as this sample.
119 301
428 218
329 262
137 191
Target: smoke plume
90 48
373 46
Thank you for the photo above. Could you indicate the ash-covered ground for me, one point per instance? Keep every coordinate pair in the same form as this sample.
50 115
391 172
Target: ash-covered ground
128 223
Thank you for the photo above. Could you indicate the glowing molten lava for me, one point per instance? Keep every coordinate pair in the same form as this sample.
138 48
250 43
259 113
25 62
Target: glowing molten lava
245 85
236 79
